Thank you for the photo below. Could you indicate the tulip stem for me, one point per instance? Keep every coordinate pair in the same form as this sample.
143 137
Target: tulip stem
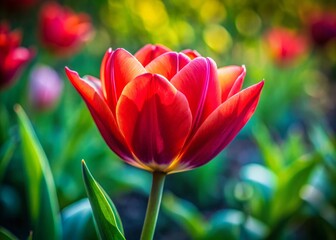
153 206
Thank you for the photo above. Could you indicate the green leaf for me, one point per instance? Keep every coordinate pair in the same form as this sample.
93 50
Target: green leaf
105 214
186 214
6 235
290 185
78 222
263 182
233 224
270 151
6 153
320 203
43 204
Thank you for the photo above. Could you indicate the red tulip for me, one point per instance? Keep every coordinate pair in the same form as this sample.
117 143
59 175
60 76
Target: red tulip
62 31
286 46
12 56
162 111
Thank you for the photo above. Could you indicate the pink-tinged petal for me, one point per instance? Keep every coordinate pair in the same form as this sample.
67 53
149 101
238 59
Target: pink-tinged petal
199 83
168 64
192 54
231 79
90 90
149 52
155 120
219 129
121 67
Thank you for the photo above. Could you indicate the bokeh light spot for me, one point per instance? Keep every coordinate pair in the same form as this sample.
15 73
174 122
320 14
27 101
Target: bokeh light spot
248 23
217 38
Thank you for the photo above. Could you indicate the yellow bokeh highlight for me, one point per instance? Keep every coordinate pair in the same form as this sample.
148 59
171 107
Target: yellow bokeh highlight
217 38
153 14
184 32
118 21
212 11
248 23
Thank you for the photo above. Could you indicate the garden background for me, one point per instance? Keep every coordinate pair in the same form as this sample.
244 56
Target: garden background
276 180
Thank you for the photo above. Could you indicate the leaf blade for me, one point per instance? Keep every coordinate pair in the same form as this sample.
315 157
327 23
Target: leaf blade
105 215
40 184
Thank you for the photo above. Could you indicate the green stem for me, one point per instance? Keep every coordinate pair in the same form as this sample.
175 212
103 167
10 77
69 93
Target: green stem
153 206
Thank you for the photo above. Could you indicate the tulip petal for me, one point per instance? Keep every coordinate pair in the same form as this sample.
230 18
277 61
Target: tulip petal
149 52
219 129
199 83
91 92
168 64
103 66
121 67
192 54
155 120
231 79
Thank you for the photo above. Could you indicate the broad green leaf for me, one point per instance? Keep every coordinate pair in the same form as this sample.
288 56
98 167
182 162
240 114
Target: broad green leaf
291 182
6 235
78 222
323 142
264 184
260 175
43 204
186 214
325 145
233 224
316 199
106 217
270 151
294 147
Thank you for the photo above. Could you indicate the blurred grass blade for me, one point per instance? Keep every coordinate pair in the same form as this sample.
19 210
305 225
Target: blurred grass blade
6 153
6 235
186 214
42 195
270 151
106 217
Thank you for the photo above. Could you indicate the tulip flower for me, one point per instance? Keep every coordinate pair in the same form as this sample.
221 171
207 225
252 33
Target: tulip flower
45 87
285 46
13 57
169 113
62 31
165 112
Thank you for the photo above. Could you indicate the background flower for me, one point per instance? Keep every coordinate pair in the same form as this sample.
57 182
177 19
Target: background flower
61 30
286 47
13 57
45 87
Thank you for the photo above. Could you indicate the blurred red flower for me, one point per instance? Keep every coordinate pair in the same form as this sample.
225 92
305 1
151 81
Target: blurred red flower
160 110
61 30
285 46
12 56
322 26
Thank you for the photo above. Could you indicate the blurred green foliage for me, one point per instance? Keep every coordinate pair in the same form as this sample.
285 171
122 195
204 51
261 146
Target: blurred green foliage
276 180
